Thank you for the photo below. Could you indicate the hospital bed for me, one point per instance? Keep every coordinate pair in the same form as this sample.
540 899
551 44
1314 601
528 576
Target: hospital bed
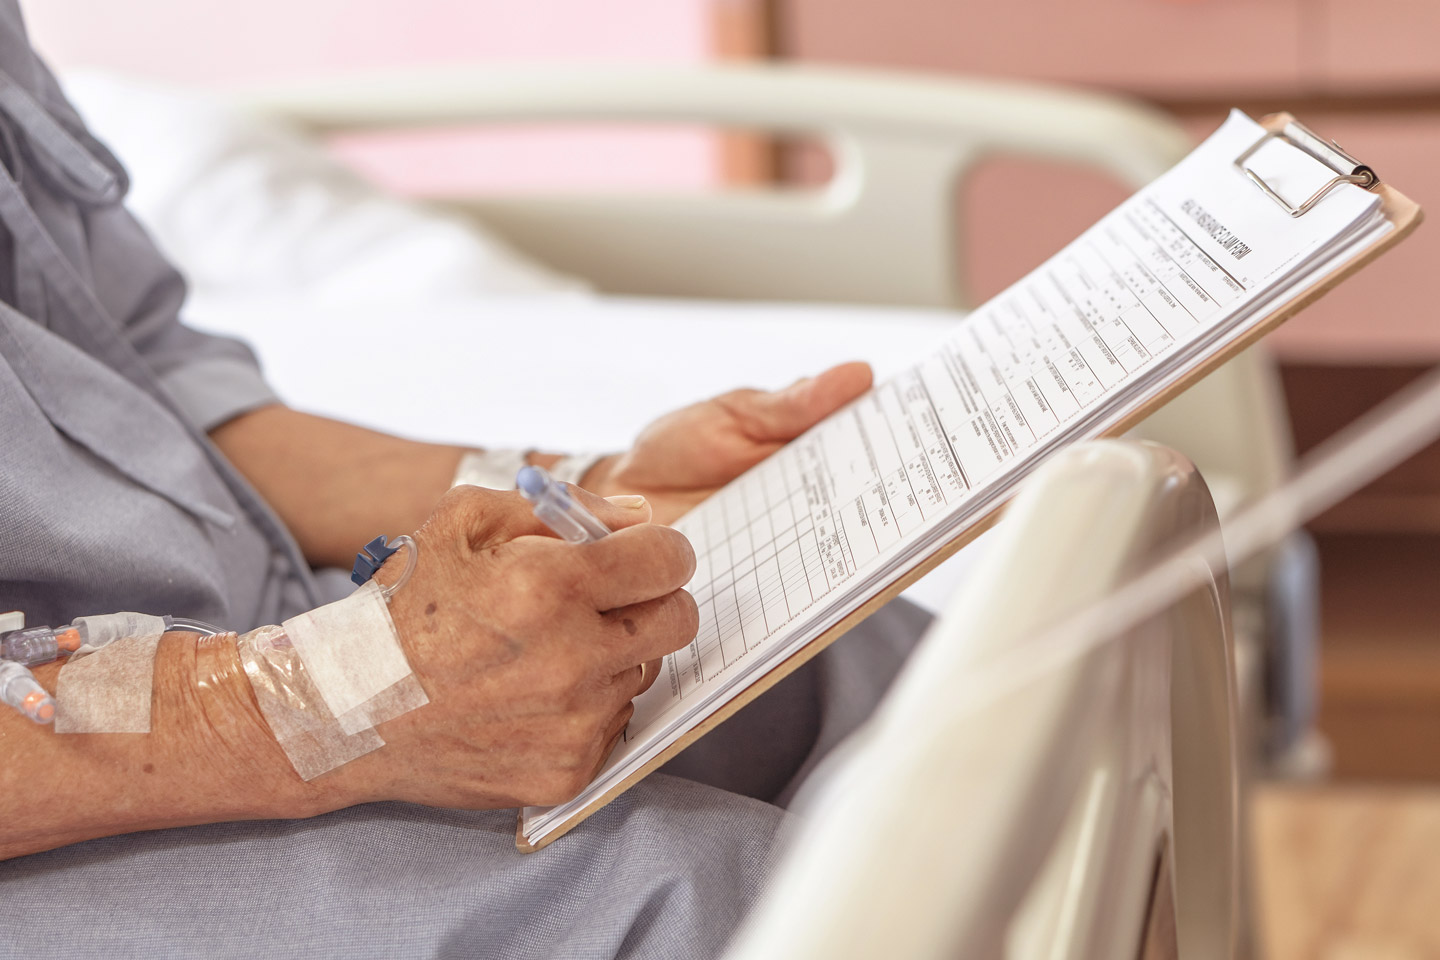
1082 810
1093 854
882 230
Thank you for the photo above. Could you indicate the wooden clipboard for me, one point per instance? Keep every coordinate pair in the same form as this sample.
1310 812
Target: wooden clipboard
1403 214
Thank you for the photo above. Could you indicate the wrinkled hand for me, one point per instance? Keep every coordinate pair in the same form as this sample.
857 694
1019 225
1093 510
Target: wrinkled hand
529 648
685 456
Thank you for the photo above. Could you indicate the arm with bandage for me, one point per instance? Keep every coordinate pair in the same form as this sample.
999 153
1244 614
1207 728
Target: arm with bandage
527 649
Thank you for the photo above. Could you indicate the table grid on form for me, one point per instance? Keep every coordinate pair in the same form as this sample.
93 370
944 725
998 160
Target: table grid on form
825 508
1099 331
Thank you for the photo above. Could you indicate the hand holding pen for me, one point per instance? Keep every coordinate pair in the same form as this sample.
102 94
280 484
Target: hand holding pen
559 511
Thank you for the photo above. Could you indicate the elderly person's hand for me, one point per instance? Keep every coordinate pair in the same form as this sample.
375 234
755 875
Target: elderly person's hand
529 648
685 456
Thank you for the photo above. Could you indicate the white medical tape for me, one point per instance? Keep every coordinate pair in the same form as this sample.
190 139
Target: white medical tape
109 690
107 628
400 697
290 703
352 654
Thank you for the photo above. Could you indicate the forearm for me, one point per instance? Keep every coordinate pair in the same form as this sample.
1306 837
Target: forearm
209 757
337 485
334 484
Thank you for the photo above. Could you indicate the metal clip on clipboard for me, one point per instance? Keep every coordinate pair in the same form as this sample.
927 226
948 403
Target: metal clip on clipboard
1347 168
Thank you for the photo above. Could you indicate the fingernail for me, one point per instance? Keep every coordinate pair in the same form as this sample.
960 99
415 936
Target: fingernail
627 501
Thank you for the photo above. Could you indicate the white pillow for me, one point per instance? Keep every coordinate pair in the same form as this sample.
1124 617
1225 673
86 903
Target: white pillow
248 207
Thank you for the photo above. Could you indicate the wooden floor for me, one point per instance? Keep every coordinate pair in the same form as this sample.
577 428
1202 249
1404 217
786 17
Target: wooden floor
1348 872
1351 870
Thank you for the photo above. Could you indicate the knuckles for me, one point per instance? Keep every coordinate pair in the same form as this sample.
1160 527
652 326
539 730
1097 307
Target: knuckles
573 681
478 517
543 744
580 746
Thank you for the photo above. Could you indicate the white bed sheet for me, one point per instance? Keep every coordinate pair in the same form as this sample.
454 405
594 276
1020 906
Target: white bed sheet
563 372
373 309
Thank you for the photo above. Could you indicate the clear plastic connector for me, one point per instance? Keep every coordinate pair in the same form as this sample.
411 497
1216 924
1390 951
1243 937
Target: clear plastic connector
36 645
20 689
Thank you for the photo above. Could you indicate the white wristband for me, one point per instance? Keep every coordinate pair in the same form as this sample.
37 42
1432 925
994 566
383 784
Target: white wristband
572 468
494 469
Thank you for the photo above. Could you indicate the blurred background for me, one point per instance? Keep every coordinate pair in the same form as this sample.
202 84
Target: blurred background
1344 866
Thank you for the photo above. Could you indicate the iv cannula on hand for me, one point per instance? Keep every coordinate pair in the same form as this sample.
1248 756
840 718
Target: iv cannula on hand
555 508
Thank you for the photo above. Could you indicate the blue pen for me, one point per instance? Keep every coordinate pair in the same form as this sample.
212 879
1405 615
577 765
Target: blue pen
555 508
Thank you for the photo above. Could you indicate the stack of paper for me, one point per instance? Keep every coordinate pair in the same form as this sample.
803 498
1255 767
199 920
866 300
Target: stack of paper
1137 301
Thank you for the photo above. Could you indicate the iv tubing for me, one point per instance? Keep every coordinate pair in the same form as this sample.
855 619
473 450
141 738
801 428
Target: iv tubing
411 558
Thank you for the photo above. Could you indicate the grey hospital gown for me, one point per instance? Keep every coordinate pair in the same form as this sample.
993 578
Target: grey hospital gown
111 498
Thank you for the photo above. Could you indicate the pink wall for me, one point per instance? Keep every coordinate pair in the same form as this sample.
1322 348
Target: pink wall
204 40
211 43
1366 74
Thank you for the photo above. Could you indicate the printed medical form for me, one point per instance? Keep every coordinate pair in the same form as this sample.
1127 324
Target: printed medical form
801 540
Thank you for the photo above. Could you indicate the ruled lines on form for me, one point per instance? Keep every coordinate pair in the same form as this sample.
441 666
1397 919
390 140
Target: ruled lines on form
847 494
